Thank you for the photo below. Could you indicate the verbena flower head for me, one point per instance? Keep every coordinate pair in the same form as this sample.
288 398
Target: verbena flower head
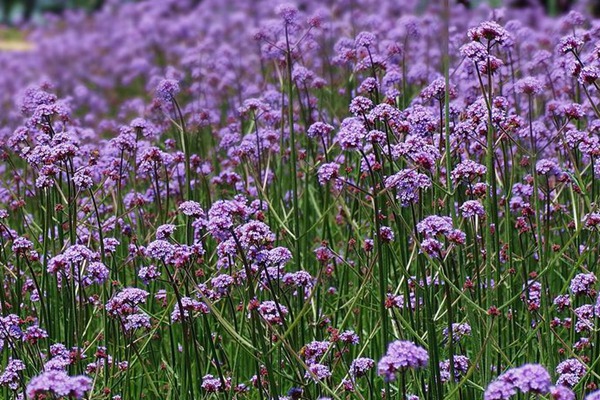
11 375
561 393
570 372
529 85
583 284
401 355
529 378
59 384
490 31
361 366
328 172
408 183
351 134
461 366
167 89
593 396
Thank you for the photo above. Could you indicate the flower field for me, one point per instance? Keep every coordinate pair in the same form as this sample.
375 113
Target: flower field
351 199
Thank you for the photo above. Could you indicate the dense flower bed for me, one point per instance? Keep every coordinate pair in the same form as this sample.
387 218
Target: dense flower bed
360 199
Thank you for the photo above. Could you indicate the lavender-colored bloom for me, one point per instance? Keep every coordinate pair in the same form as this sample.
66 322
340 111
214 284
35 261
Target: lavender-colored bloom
165 231
190 307
58 383
214 384
126 301
408 183
167 89
10 376
461 366
317 372
561 393
490 31
529 85
588 75
437 90
351 134
328 172
529 378
136 321
270 312
467 170
434 225
570 44
320 130
288 13
96 272
149 273
191 209
360 106
593 396
365 39
313 351
582 284
360 366
570 372
475 51
459 330
401 355
83 179
471 208
499 390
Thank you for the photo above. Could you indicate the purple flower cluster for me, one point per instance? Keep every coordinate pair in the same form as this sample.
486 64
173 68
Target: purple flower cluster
58 383
529 378
401 356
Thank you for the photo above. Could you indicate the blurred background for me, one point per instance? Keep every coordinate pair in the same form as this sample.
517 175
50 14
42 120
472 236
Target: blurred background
18 11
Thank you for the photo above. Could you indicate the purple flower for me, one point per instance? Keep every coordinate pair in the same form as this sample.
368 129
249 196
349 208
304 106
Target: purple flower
408 183
588 75
583 284
593 396
471 208
570 372
360 366
327 172
83 179
561 393
149 273
401 355
10 376
467 170
351 134
364 39
126 301
191 209
437 90
435 225
459 330
214 384
570 44
529 85
270 312
165 231
317 372
360 106
167 89
313 351
490 31
190 307
319 129
288 13
58 383
461 366
529 378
